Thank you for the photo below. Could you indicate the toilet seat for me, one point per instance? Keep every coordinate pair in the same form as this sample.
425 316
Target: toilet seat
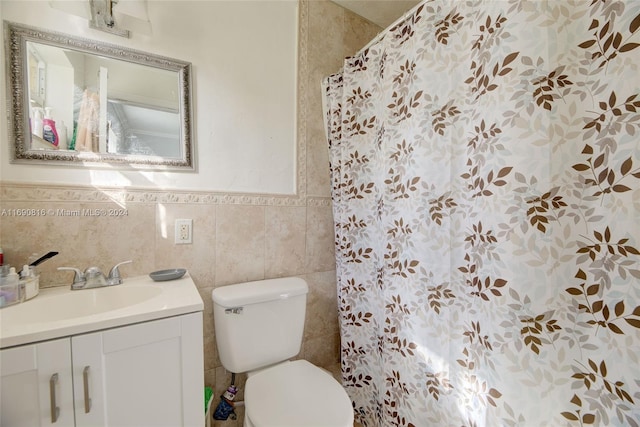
296 394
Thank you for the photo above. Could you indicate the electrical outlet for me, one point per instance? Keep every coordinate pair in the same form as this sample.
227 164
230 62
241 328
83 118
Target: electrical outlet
184 231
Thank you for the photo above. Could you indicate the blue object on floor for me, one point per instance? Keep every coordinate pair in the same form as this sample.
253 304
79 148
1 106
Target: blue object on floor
224 410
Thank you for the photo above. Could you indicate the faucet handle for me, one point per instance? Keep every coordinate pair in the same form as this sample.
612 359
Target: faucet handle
78 277
92 273
114 273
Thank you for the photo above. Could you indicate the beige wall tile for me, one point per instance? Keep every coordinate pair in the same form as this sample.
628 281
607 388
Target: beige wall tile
325 38
81 239
198 257
324 57
318 161
338 34
323 351
284 240
320 239
322 305
326 35
358 33
240 244
211 358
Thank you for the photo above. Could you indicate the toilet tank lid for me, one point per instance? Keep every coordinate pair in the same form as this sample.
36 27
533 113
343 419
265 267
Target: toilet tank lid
259 291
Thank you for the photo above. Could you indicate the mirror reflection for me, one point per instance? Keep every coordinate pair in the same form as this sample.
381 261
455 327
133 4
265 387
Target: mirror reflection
85 98
67 89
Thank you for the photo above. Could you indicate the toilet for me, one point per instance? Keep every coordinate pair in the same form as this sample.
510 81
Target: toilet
259 327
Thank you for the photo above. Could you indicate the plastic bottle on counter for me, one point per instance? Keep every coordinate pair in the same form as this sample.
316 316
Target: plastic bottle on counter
10 292
29 281
33 257
13 276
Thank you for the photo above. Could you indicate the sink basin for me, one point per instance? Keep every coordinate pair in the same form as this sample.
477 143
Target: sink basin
86 302
60 312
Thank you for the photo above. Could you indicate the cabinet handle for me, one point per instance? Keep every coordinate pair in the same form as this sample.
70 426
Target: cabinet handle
55 410
87 398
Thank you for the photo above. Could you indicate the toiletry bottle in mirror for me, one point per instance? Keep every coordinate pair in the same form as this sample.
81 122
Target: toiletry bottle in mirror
37 122
49 132
62 135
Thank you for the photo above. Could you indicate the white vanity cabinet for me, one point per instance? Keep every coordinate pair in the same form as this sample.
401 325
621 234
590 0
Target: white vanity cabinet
145 374
34 379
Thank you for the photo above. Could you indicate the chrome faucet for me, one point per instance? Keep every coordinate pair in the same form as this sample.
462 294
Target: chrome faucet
92 277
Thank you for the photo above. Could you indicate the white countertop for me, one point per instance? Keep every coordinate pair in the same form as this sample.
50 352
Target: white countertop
59 312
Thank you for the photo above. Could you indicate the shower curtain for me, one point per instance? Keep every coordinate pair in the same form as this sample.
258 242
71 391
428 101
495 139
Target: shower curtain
485 161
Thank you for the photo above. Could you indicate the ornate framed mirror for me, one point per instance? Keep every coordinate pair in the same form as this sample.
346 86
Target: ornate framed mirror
80 102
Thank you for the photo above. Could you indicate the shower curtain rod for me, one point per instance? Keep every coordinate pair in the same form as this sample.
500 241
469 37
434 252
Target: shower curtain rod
382 33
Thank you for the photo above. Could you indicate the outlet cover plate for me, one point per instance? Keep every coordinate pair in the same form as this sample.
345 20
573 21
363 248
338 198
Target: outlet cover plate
184 231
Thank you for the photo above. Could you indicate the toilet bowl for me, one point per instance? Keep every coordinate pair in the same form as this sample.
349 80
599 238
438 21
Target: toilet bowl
259 327
296 394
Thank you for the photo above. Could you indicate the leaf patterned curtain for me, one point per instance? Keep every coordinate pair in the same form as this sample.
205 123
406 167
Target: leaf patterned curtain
485 160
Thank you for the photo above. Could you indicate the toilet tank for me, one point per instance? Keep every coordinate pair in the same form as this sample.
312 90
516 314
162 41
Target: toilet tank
259 323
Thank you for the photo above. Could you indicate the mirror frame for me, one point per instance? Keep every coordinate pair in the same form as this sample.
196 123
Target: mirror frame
16 38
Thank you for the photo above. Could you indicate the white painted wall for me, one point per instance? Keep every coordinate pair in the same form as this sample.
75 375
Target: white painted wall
243 55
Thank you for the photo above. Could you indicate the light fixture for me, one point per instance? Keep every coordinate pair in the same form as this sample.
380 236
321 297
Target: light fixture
102 18
113 16
132 15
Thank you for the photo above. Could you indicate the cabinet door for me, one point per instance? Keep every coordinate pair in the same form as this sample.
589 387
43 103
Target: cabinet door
148 374
35 385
